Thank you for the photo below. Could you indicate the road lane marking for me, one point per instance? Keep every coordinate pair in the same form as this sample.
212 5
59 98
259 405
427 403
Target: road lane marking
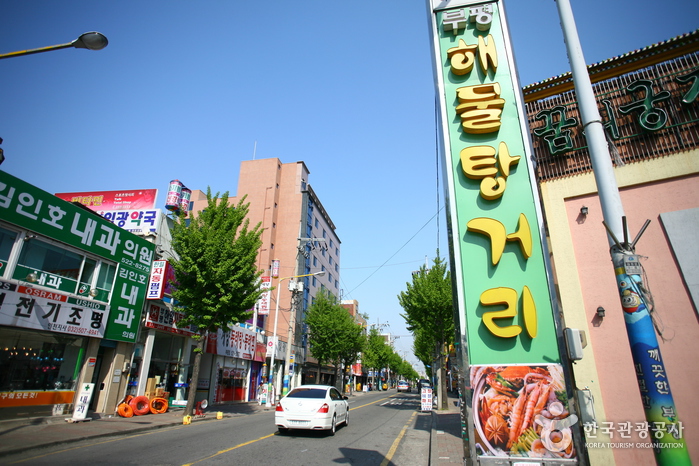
372 403
118 438
231 449
394 447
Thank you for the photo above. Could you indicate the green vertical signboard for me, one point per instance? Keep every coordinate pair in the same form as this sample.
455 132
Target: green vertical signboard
502 280
29 207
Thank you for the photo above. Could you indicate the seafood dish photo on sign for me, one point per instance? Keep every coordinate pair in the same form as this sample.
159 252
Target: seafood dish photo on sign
521 410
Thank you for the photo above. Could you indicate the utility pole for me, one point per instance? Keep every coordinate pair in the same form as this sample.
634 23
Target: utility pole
658 404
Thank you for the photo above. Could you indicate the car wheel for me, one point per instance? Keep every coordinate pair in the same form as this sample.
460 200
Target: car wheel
283 430
347 418
333 425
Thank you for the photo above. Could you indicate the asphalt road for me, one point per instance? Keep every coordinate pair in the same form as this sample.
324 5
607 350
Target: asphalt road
385 428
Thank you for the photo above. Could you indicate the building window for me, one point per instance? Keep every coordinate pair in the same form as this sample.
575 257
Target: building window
54 267
316 223
315 261
7 240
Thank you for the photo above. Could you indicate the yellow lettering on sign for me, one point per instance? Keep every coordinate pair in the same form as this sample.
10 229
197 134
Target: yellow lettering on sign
500 296
495 230
508 297
487 55
529 311
523 236
462 58
479 163
480 108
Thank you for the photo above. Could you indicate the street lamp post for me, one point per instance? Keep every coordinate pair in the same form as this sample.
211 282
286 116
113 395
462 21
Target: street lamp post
274 331
89 40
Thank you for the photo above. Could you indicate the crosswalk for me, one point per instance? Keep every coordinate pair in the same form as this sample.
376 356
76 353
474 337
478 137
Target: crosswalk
398 401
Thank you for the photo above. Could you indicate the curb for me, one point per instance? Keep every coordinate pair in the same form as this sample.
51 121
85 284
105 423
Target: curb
433 439
19 450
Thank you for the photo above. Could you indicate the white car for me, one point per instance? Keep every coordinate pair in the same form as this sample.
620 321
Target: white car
403 386
312 407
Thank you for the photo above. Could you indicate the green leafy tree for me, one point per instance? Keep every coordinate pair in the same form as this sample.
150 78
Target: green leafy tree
334 336
423 349
217 280
377 352
353 345
429 309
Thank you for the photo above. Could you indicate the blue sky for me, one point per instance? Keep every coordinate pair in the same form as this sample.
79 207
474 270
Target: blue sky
186 90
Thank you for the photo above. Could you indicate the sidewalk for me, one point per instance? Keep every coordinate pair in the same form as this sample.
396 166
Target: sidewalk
17 436
446 441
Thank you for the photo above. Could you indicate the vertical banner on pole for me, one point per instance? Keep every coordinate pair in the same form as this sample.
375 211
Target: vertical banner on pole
518 390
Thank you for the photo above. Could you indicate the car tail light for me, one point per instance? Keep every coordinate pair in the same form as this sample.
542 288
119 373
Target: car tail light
324 408
279 408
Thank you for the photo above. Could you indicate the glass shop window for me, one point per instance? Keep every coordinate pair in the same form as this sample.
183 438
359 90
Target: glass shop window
7 239
31 360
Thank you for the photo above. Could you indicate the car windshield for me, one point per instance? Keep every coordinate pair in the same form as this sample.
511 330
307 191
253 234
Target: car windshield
307 393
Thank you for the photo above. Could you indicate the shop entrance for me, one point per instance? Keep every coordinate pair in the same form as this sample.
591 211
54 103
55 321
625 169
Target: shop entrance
101 376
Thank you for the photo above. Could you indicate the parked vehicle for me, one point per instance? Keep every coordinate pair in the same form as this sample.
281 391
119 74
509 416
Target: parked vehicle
403 386
312 407
424 383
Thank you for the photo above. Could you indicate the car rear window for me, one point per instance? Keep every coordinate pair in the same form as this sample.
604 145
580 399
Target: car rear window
307 393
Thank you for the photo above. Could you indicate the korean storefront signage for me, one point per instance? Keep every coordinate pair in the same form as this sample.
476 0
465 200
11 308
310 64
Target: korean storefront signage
28 307
113 200
84 397
29 207
648 99
161 276
162 318
504 298
237 342
135 221
263 302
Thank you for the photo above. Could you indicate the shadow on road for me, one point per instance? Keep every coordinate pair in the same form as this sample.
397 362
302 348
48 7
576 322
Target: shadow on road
364 457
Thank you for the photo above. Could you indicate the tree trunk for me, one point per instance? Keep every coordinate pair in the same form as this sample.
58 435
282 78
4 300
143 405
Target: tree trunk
337 370
443 399
189 409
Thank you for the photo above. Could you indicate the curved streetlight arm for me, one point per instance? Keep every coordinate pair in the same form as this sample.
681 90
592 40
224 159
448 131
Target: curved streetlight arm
89 40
